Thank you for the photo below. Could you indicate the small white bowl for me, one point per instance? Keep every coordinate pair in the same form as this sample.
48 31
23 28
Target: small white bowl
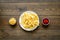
23 26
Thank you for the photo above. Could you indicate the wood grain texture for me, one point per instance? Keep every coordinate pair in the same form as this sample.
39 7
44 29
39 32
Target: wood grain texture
39 8
27 1
49 10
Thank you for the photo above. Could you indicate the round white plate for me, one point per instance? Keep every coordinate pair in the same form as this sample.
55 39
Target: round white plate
23 26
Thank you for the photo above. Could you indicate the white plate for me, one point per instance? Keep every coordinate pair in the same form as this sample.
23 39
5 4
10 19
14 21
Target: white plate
23 26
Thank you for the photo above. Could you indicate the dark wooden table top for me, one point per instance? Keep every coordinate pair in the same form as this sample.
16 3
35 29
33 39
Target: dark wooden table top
50 10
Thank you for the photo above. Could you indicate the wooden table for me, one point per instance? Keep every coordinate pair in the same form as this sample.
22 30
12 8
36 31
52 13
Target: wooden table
50 10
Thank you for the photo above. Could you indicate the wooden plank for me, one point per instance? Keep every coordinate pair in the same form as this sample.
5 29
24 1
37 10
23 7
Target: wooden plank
27 1
39 12
40 9
22 35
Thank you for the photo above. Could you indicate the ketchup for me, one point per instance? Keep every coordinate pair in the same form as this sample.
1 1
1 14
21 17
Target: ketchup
45 21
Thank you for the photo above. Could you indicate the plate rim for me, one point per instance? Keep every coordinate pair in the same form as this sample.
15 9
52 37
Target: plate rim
22 25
